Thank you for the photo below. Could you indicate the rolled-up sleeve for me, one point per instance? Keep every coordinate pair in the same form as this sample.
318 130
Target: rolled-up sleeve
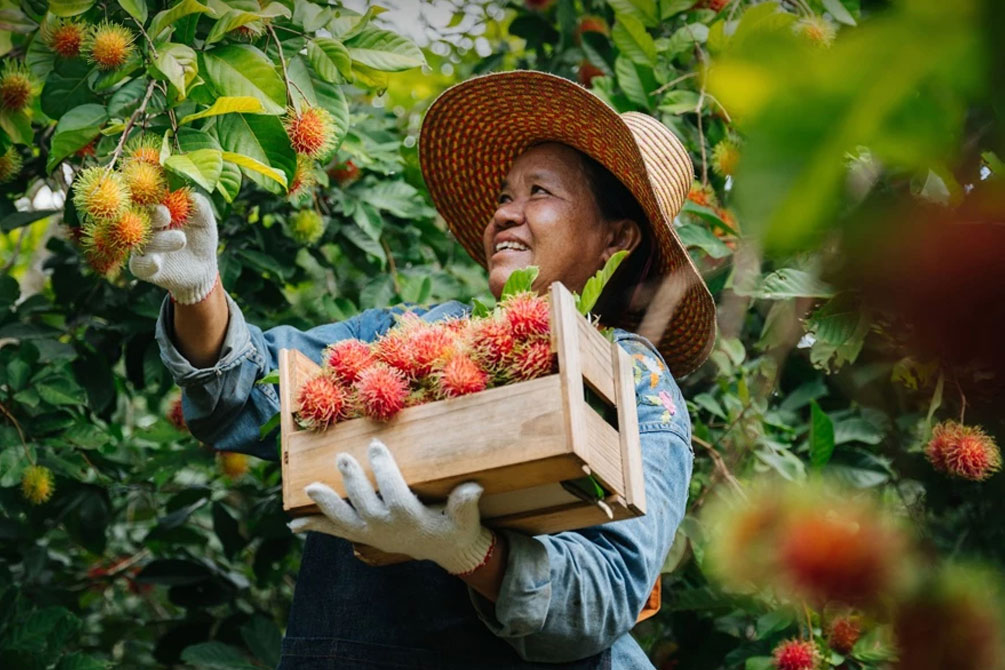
570 595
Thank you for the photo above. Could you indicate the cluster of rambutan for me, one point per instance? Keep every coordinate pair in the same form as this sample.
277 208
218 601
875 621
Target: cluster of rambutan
114 205
312 135
963 451
107 45
417 362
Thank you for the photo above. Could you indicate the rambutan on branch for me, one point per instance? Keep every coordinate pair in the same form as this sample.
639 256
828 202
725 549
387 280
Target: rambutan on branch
131 122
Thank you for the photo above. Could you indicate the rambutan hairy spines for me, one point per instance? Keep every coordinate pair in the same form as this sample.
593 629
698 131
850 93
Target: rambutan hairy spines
16 86
36 484
491 342
10 165
346 359
144 148
963 451
528 315
131 229
391 348
311 131
428 343
145 181
795 655
109 45
460 375
179 204
100 193
303 177
381 391
64 37
321 401
843 633
530 360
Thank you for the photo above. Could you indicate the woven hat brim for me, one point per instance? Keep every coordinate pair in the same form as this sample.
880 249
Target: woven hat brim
474 130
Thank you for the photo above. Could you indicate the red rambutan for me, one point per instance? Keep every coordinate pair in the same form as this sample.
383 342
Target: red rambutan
459 376
311 132
64 37
587 72
392 348
844 633
491 342
427 344
527 314
347 358
795 655
179 204
963 451
529 360
176 416
381 391
321 402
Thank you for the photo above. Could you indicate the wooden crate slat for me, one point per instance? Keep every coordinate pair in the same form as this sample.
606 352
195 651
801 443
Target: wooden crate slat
595 358
565 517
631 448
605 448
565 340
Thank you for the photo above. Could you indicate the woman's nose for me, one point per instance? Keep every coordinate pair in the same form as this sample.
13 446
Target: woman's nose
508 214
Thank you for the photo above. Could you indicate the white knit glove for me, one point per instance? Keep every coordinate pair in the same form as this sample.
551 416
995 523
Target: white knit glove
451 535
183 260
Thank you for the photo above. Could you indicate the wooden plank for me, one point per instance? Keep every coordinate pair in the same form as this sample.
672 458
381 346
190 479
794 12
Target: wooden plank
595 358
628 425
565 517
565 340
294 369
605 452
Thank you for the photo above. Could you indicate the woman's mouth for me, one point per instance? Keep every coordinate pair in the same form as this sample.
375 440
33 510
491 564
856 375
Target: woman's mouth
509 245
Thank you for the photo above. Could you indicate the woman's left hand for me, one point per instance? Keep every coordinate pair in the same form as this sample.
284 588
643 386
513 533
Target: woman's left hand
451 535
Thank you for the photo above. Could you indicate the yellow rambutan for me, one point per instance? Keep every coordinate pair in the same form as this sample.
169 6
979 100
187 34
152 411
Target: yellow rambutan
303 176
64 37
312 131
131 229
36 484
146 148
109 45
16 86
100 193
306 226
233 464
10 165
816 29
725 156
145 182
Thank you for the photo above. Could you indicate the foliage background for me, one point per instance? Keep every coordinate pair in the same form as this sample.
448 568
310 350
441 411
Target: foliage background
156 552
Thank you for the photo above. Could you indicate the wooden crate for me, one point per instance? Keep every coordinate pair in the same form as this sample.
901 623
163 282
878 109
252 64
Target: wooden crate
518 441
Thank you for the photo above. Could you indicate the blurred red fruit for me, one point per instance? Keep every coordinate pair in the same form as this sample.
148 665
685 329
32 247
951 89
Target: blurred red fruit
795 655
844 633
344 173
587 71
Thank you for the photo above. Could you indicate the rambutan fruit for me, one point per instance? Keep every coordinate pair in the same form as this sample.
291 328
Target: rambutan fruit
381 391
795 655
144 148
64 37
591 23
586 73
345 359
703 195
100 193
392 348
527 314
179 204
459 376
816 29
306 226
303 176
36 484
843 633
10 165
344 173
427 344
130 229
311 132
233 464
529 360
86 150
101 251
963 451
176 416
725 156
16 86
491 342
321 401
248 32
109 45
145 181
714 5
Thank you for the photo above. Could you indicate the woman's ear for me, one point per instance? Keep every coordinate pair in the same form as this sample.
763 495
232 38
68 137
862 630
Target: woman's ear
625 234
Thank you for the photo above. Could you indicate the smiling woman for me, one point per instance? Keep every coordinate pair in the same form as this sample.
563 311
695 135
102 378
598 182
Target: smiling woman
562 189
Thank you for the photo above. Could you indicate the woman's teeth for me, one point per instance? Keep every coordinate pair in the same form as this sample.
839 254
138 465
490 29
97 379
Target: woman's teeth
511 245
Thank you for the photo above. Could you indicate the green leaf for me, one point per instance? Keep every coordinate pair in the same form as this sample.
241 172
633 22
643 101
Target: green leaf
632 40
230 182
261 138
330 59
693 235
479 309
839 329
235 18
772 622
821 436
641 10
202 166
790 283
75 129
227 105
69 7
216 656
60 391
384 50
520 281
17 125
178 64
759 663
839 12
356 235
80 661
136 8
66 88
315 91
670 8
595 285
271 377
39 58
635 80
264 639
19 219
241 70
255 166
168 17
936 400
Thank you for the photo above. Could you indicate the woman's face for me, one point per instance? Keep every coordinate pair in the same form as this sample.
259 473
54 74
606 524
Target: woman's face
547 216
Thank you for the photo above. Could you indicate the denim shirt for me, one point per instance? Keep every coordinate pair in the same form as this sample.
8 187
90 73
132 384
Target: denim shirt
568 598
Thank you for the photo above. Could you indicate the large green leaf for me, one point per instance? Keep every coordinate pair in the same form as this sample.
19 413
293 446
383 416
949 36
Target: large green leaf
261 138
19 219
642 10
17 125
75 129
241 70
235 18
179 65
180 10
821 436
790 283
384 50
202 166
635 80
633 41
693 235
136 8
69 7
595 285
227 105
66 88
330 59
519 281
256 166
216 656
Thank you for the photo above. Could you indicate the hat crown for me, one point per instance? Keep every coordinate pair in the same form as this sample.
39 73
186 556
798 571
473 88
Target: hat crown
667 162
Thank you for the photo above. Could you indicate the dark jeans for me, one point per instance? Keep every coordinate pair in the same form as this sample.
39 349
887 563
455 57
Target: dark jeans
353 616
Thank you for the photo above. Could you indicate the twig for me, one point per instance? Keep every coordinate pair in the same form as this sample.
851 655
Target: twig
153 49
809 621
391 265
282 62
711 97
732 10
720 465
701 138
20 433
15 252
670 84
963 398
132 120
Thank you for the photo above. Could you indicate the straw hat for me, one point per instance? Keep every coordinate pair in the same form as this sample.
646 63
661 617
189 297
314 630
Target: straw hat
474 130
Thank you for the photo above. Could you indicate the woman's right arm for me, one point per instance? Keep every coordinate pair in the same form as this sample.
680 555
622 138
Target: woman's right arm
200 328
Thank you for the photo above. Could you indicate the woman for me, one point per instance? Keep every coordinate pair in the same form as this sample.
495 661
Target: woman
527 169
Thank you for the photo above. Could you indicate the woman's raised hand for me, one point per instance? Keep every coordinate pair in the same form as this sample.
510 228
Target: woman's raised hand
181 260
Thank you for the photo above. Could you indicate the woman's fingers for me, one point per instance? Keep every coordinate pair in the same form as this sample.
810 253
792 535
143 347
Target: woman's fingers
337 510
393 489
165 241
462 504
146 266
361 494
161 218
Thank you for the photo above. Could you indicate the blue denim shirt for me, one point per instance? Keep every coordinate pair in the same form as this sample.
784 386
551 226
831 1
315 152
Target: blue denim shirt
564 597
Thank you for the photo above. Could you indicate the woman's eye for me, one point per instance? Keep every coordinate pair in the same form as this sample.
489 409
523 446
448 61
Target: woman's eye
502 198
539 188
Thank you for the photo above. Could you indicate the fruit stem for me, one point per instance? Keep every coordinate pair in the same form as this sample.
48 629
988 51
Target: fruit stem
282 63
132 120
153 49
20 433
